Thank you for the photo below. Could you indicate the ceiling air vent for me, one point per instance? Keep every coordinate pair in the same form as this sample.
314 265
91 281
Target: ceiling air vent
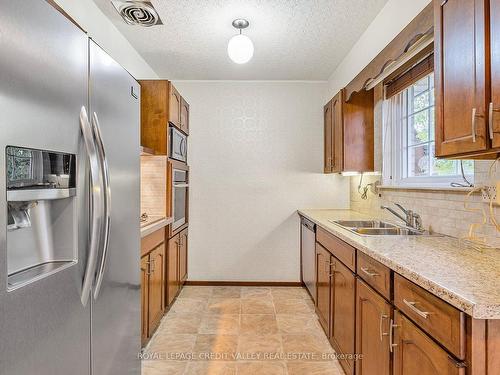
140 13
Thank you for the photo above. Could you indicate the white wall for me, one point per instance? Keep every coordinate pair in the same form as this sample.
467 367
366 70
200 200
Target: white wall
101 29
390 21
255 152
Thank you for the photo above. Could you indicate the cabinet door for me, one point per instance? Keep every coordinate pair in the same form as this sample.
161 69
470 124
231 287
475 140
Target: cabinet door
183 254
337 133
460 76
184 116
328 137
323 278
343 312
144 297
373 315
156 286
172 269
417 354
174 107
494 105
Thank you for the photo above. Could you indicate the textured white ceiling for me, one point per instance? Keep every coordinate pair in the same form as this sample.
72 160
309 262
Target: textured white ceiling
293 39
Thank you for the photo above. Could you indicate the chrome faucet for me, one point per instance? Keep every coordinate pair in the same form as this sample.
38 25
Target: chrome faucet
411 219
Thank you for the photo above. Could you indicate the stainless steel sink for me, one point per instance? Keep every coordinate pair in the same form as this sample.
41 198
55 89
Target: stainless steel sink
363 224
378 228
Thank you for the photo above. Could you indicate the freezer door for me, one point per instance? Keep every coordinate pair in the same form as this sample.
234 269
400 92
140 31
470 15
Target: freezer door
44 328
115 107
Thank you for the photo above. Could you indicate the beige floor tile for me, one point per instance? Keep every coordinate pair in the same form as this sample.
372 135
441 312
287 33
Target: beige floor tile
255 292
211 368
166 345
163 367
223 306
189 305
196 292
180 323
257 306
261 368
314 368
215 347
220 324
265 346
299 324
310 347
226 291
291 306
258 324
289 293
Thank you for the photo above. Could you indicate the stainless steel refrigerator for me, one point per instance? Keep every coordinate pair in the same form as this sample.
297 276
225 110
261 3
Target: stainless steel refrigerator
69 200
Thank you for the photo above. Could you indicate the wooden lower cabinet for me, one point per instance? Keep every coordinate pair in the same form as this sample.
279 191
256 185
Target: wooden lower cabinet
373 317
417 354
323 284
152 290
172 269
342 318
183 256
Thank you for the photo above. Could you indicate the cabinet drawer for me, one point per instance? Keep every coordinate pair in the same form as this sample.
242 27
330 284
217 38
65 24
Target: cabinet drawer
342 251
152 240
436 317
374 274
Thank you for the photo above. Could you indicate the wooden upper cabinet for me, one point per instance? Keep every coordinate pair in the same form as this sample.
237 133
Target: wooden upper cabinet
417 354
461 71
494 105
328 137
174 98
323 284
184 116
342 315
348 134
154 115
373 316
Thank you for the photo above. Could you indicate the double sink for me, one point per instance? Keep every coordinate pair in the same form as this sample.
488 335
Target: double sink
377 228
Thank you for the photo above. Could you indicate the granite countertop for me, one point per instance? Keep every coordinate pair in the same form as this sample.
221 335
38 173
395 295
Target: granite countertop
154 223
464 276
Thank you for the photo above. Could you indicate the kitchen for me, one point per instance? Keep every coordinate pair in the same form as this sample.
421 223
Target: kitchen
261 187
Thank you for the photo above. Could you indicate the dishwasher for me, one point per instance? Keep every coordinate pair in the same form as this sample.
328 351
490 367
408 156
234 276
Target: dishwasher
308 255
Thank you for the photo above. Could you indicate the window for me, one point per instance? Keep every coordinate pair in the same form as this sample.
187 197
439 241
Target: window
409 140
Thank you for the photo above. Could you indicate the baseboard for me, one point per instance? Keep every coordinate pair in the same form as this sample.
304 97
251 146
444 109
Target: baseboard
242 283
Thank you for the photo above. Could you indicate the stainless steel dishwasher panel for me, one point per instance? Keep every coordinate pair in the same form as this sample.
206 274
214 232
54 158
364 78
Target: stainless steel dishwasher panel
308 255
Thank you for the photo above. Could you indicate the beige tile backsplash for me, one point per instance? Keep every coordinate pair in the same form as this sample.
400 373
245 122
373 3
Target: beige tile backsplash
442 211
153 185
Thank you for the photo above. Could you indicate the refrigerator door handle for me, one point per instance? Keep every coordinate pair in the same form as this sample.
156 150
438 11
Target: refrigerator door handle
95 205
107 205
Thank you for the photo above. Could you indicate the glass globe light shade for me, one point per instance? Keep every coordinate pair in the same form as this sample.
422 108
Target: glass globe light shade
240 49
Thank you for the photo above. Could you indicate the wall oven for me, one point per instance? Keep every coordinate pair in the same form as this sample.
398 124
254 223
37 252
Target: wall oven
178 145
180 188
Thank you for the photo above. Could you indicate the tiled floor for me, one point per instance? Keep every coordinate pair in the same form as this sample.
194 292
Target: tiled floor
240 331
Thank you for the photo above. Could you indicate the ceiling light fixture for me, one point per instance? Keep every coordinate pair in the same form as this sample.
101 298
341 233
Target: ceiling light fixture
240 47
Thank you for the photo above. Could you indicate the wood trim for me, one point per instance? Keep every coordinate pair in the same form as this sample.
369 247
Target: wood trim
421 26
243 283
409 77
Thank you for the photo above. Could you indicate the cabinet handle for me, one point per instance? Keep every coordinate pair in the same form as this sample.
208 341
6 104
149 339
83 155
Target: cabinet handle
474 124
411 305
148 268
368 272
382 334
491 109
391 336
152 262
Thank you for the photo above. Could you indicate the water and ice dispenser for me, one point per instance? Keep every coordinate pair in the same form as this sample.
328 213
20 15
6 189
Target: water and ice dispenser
41 217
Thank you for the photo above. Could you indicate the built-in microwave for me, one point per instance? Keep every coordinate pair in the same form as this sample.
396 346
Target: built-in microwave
178 145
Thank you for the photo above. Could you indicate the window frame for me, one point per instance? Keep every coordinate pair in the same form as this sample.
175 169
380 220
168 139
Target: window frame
395 171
